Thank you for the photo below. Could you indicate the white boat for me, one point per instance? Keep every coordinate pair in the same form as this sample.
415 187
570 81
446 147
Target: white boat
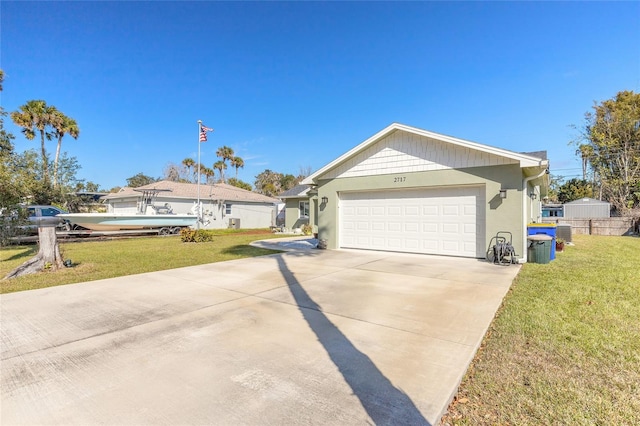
148 216
118 222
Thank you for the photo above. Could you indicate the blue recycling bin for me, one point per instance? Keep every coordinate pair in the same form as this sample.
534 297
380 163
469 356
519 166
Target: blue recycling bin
544 229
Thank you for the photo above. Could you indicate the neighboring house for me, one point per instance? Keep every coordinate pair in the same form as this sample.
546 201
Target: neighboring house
223 206
552 210
410 190
297 208
586 208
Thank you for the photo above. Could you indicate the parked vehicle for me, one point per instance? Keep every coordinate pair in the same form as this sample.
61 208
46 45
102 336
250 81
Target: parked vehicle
38 214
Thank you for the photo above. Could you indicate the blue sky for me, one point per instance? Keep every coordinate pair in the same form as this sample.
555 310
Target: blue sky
291 85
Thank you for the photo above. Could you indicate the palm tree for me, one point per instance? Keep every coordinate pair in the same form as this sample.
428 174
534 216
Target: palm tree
207 172
238 163
189 163
225 153
62 125
197 177
220 166
32 116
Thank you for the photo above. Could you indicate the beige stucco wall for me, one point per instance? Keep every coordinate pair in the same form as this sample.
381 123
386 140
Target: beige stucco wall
501 214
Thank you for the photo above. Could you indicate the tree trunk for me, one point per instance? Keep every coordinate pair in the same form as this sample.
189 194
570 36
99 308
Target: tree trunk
48 257
45 167
55 163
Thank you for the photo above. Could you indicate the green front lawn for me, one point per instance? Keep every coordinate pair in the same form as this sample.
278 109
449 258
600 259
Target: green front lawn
564 348
94 260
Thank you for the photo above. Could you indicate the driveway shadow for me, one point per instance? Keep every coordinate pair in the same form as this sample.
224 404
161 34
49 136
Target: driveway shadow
383 402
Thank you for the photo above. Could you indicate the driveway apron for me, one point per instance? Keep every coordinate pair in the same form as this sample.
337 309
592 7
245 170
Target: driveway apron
302 337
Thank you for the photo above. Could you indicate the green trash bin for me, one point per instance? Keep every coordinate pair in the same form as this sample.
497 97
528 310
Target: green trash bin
539 250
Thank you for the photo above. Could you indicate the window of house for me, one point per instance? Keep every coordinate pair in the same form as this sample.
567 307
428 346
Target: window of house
227 208
304 209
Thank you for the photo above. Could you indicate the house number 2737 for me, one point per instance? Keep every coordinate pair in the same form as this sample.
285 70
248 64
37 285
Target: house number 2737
399 179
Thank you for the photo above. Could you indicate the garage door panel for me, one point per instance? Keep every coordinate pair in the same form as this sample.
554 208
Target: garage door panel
451 228
378 242
411 227
469 246
394 243
348 241
450 247
430 211
378 226
348 226
430 228
411 244
394 210
470 228
469 210
412 211
395 226
349 211
429 246
362 226
363 240
447 221
450 210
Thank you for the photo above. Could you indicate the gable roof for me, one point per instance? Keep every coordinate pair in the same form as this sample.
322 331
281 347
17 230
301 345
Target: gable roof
218 191
298 191
525 160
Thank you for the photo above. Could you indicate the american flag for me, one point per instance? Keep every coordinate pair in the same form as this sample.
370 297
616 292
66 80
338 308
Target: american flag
203 133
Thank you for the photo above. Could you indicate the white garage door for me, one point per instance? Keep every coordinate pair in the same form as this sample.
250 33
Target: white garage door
448 221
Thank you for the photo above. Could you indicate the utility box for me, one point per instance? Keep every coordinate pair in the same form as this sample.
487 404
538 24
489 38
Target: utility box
539 250
563 231
234 223
544 229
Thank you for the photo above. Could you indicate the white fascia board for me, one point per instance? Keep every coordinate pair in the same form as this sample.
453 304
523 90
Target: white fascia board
310 180
524 160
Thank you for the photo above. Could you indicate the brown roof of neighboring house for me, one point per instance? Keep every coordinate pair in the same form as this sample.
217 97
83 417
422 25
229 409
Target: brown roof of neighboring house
218 191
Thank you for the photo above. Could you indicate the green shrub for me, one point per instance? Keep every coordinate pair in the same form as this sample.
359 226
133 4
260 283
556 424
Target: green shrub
188 235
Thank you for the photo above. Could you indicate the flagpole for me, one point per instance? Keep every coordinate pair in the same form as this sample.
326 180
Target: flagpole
199 143
199 132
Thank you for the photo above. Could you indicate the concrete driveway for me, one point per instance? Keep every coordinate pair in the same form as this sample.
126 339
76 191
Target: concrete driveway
303 337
